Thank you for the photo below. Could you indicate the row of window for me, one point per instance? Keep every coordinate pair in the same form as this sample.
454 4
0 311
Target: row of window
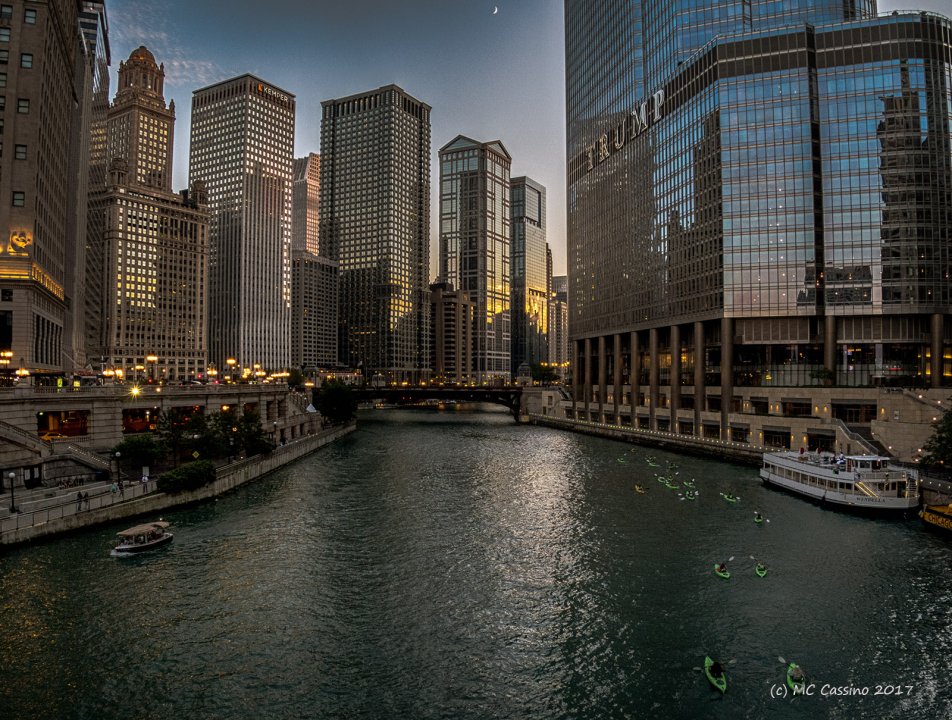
6 13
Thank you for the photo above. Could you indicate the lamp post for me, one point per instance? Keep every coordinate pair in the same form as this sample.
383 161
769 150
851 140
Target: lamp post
152 360
118 471
231 362
11 477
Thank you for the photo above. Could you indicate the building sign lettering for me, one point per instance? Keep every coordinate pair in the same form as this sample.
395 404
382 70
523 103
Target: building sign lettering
273 94
639 119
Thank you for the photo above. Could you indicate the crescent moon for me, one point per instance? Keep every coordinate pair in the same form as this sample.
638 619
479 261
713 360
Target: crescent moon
495 9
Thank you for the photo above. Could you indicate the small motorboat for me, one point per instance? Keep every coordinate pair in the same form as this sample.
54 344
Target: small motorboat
716 675
141 538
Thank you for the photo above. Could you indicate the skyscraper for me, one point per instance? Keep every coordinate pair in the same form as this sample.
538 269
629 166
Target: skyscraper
314 312
475 245
452 334
559 325
151 258
375 190
760 197
306 205
531 272
38 47
242 147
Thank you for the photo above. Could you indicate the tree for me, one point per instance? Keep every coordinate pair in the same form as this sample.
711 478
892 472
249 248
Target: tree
295 377
336 402
138 451
543 374
938 449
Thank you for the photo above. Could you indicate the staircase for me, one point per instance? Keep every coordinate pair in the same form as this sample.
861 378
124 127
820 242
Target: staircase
26 439
866 433
82 455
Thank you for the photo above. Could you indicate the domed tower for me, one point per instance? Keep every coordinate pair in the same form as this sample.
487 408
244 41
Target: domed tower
141 125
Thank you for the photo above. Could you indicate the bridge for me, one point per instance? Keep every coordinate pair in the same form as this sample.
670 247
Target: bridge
508 396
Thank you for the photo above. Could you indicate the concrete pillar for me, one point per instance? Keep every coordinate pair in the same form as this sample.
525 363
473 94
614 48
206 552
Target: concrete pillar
602 379
727 374
587 378
616 361
938 343
829 346
653 378
675 377
698 375
576 378
635 379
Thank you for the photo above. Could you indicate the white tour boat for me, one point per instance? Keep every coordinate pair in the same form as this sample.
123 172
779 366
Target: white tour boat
142 537
858 482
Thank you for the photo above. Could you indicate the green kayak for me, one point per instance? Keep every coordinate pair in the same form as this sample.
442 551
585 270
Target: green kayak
729 498
761 570
795 679
720 680
721 573
690 496
759 519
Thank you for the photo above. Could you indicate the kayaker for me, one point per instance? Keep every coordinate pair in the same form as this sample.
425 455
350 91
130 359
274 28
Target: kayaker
722 568
796 674
758 517
716 669
761 567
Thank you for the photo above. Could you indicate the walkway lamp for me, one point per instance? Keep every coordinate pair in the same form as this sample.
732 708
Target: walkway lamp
231 362
152 360
118 469
11 477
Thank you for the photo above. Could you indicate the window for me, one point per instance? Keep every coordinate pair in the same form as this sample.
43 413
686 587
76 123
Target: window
6 11
6 295
3 80
29 17
19 152
26 60
23 105
3 103
4 34
4 57
19 198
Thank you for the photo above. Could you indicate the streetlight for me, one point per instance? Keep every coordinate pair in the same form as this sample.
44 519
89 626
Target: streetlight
152 360
12 476
118 469
231 362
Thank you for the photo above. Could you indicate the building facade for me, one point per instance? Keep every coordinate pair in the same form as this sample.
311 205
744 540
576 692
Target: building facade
475 246
151 260
242 148
38 48
313 312
375 222
531 270
759 204
559 325
306 205
452 323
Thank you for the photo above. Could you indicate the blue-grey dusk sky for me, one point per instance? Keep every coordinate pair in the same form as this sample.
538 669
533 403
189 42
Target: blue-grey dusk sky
489 76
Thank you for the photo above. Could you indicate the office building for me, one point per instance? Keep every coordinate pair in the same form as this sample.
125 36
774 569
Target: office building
375 222
531 270
475 245
306 205
242 148
314 312
152 255
452 324
38 47
559 326
759 212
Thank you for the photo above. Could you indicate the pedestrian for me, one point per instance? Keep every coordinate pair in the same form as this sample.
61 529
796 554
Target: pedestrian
122 490
86 498
114 489
79 501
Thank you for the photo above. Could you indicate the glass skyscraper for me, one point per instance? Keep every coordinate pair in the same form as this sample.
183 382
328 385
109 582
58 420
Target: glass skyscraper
759 200
530 271
375 222
475 245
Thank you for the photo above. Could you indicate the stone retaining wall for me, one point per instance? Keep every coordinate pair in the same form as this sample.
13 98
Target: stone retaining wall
228 478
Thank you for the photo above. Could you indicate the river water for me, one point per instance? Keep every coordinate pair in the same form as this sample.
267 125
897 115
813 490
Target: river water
455 565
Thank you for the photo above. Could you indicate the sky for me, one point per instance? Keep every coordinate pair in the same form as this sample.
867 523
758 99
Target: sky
490 69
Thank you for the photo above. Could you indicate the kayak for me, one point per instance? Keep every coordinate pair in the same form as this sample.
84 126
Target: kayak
759 519
722 573
718 681
652 463
761 570
729 498
690 496
640 490
795 685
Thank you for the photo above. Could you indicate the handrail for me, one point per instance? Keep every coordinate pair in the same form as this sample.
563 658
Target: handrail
24 434
854 436
84 453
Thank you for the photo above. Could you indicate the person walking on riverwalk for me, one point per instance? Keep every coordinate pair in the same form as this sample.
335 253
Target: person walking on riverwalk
86 499
79 501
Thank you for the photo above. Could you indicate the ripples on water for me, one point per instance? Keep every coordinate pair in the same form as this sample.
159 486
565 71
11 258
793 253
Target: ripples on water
453 565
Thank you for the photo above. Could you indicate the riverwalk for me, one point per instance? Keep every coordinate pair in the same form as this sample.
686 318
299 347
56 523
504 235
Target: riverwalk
43 512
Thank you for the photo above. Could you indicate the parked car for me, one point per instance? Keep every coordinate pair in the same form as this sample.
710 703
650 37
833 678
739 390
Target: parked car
51 435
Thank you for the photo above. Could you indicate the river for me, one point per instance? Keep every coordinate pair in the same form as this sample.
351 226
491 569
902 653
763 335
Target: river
455 565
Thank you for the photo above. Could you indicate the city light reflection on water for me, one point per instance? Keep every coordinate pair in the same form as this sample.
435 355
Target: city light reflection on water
452 564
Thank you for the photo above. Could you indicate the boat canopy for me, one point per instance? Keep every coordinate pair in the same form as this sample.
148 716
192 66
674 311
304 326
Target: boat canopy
143 529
